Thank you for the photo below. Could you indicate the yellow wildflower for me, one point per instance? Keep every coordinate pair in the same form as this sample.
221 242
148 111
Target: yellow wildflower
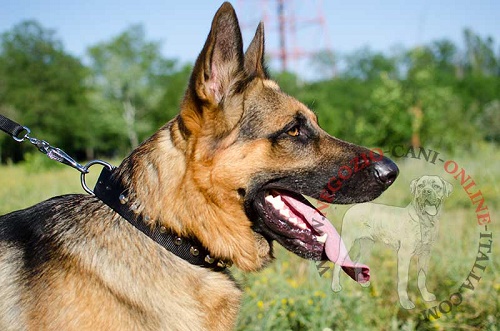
293 283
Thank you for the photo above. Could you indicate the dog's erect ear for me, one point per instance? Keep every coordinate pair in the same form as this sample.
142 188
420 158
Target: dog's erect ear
254 56
219 66
413 186
448 188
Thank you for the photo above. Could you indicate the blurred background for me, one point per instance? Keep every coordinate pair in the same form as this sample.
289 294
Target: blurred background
96 78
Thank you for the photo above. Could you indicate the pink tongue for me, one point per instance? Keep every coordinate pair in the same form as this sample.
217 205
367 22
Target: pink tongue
334 246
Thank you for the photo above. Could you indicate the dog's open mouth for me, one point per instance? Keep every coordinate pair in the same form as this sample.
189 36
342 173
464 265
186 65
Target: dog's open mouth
301 228
430 204
431 207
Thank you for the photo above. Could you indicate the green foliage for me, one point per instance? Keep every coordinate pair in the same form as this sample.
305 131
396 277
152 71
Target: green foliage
480 55
439 95
443 96
290 294
174 86
339 103
366 64
42 86
128 74
388 112
490 121
35 162
433 95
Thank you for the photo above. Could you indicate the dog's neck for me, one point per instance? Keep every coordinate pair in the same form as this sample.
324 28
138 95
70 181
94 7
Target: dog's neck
110 190
162 180
150 183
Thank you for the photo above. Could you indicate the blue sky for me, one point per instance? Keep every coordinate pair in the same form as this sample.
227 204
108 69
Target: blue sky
182 26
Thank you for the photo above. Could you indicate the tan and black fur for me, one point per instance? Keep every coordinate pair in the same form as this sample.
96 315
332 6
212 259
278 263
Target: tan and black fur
72 263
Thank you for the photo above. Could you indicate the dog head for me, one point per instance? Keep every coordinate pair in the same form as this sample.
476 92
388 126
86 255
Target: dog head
428 194
247 153
257 148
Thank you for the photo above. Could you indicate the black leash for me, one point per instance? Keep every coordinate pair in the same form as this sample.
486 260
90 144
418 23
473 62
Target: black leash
10 127
15 130
110 191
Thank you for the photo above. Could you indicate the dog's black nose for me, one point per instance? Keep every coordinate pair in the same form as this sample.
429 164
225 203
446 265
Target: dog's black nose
385 171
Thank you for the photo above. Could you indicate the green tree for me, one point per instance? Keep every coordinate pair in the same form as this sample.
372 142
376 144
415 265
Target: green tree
43 87
289 82
128 76
387 120
173 85
366 64
479 54
446 61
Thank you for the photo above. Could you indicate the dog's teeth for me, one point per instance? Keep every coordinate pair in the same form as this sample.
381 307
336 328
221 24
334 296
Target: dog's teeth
285 212
278 204
302 225
269 198
322 239
293 220
275 201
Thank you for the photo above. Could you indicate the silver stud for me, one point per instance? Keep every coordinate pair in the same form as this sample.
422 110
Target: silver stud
194 251
209 259
178 241
123 199
163 229
147 219
221 264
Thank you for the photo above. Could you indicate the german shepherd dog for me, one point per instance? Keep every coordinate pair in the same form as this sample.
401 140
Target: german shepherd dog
230 170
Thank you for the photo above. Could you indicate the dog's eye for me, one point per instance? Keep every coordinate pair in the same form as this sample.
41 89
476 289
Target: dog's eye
294 132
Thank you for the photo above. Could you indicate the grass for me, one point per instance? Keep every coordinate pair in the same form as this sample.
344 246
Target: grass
24 185
291 295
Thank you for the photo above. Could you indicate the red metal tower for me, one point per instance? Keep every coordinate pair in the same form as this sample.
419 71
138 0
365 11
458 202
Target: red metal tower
290 38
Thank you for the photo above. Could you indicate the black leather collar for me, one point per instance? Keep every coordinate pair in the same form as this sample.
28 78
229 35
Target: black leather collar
110 191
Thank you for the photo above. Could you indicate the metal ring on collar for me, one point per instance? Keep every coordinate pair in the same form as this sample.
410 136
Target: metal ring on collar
86 168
